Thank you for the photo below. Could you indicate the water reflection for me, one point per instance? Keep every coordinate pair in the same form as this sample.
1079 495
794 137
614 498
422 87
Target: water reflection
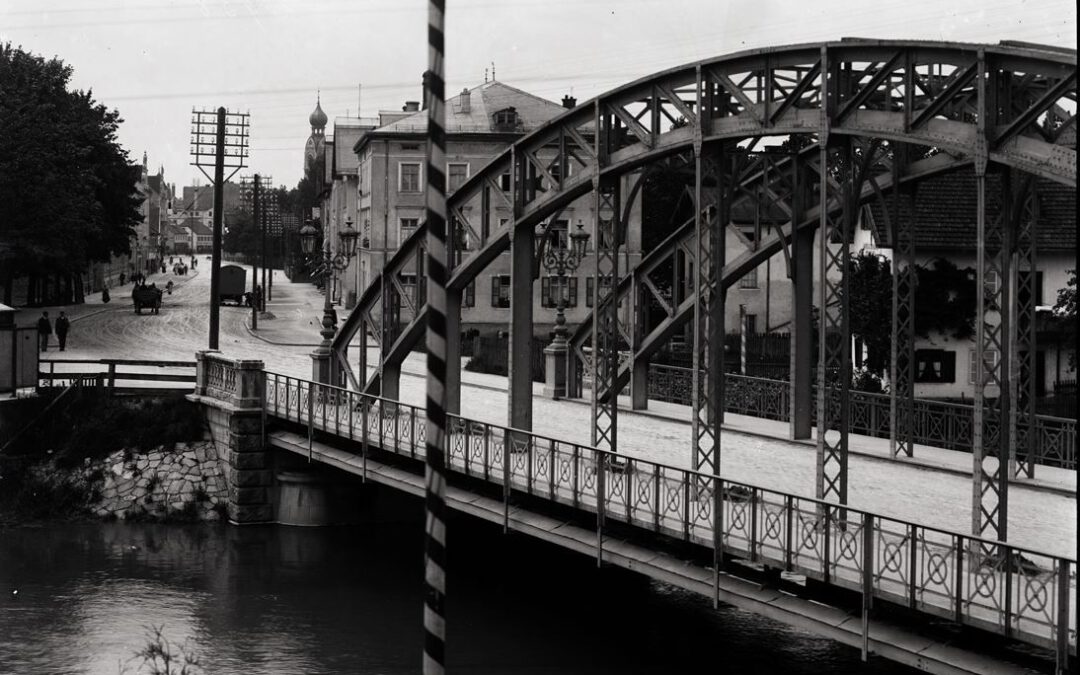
347 600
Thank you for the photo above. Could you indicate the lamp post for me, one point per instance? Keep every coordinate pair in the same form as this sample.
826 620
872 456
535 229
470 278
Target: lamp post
561 259
329 264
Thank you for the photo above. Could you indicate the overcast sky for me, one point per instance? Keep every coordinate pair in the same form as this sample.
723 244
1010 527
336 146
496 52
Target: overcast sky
154 60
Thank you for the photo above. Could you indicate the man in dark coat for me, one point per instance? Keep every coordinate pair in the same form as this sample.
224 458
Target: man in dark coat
62 326
44 329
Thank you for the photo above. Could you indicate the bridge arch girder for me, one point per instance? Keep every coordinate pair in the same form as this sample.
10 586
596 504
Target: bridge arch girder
917 92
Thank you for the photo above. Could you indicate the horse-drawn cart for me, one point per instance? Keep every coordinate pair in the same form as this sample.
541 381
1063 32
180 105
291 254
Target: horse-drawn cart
146 297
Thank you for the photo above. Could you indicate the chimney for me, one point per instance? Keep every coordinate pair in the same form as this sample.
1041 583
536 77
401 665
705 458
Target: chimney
569 102
465 102
411 106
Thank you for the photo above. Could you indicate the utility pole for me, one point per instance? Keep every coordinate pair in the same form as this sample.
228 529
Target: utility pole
223 136
255 259
262 296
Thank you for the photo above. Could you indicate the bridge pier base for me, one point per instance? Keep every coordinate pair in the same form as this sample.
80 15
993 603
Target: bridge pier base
230 392
302 498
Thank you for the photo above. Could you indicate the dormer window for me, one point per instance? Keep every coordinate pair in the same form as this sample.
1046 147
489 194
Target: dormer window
506 119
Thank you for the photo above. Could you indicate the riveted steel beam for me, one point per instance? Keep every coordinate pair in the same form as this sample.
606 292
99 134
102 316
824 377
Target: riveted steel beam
902 370
710 176
1023 280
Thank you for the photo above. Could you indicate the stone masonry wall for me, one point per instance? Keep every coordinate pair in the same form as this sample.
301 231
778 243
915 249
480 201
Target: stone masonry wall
186 480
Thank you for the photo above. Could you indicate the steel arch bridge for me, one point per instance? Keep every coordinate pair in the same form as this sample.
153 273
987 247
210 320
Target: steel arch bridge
864 120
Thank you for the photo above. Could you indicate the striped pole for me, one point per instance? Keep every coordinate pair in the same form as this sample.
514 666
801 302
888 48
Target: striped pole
435 482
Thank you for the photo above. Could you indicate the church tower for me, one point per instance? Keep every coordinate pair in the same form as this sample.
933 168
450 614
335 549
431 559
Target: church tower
314 152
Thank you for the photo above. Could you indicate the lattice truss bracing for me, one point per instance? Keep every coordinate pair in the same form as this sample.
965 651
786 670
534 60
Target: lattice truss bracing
834 362
605 324
710 177
902 227
1022 433
956 105
991 401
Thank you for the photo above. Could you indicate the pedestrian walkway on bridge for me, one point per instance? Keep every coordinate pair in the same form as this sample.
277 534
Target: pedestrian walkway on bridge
933 487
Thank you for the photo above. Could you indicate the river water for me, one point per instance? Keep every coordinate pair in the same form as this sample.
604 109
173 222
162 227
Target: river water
288 600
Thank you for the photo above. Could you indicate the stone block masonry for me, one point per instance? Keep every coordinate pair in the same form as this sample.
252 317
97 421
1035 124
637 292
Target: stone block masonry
186 479
230 394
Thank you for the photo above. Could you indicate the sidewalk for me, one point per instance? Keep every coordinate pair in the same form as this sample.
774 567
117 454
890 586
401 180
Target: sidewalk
297 310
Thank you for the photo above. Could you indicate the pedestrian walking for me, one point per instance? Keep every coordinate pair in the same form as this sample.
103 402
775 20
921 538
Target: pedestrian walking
122 278
62 326
44 329
105 295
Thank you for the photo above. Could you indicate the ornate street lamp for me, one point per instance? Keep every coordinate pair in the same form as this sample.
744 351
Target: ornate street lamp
561 260
329 265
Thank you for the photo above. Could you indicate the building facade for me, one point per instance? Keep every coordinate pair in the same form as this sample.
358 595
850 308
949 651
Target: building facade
481 123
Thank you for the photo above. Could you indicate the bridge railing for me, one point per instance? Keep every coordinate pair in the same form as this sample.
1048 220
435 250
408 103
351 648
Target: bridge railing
1012 591
937 423
124 375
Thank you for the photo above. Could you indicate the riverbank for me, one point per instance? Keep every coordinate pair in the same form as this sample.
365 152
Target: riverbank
95 456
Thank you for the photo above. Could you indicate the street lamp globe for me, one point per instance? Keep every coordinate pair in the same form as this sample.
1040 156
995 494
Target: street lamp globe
308 235
348 237
578 240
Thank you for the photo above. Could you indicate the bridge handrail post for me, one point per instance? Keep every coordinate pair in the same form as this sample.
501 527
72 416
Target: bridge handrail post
718 537
913 548
310 419
1062 637
412 433
826 554
789 536
601 490
1008 561
363 437
506 481
349 396
867 580
959 609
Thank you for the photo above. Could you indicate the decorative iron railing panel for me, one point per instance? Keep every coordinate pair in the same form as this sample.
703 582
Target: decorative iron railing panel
1023 594
937 423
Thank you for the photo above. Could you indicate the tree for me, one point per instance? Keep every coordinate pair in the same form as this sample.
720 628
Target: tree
1065 314
870 285
67 190
945 297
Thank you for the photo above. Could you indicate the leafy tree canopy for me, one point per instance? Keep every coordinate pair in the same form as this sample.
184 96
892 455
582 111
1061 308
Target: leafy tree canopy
870 285
67 190
1065 311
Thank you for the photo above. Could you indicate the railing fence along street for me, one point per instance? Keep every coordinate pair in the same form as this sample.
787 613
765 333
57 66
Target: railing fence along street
127 375
1015 592
937 423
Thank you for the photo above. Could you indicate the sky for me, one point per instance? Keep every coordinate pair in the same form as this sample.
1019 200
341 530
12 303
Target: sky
156 60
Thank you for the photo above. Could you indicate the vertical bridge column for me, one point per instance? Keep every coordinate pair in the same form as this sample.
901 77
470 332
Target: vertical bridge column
802 305
709 256
834 342
1022 431
990 490
389 373
902 372
605 337
519 368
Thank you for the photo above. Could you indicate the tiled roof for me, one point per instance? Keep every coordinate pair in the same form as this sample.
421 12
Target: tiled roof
484 101
945 209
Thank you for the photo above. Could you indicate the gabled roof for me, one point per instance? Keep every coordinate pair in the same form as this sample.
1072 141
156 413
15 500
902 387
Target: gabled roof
197 227
484 101
945 208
